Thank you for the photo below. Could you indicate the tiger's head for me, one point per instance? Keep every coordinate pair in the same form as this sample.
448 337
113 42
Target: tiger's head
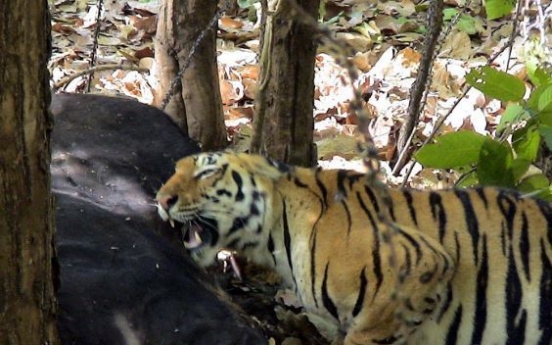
224 199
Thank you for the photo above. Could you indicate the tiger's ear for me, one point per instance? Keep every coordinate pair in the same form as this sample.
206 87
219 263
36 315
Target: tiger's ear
263 166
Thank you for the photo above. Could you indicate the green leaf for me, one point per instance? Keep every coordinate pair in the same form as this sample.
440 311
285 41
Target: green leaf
526 142
246 3
533 183
546 133
545 118
519 168
422 6
545 99
512 114
449 13
545 194
321 10
494 167
536 183
496 84
452 150
498 8
468 177
533 101
367 30
537 74
466 24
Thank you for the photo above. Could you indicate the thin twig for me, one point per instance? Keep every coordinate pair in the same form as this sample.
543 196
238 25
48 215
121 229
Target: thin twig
101 68
97 29
513 35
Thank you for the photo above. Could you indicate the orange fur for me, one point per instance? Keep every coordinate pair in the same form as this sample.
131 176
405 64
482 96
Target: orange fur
471 266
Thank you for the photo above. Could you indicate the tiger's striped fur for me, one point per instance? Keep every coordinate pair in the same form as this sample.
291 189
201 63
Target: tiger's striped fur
471 266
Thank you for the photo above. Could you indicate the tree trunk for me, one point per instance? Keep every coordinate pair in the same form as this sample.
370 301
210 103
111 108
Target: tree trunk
284 118
27 304
197 105
167 66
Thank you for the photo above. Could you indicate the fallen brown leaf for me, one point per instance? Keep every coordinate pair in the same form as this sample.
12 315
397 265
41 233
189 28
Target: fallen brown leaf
250 87
227 22
147 24
144 53
249 71
63 29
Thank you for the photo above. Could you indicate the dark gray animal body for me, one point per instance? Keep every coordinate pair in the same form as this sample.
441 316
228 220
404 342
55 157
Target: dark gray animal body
121 282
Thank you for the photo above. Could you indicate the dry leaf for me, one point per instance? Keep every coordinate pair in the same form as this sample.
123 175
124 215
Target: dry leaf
108 41
357 41
63 29
479 121
233 113
229 23
457 46
387 24
460 113
231 91
145 52
147 62
147 24
442 81
410 57
127 31
249 71
362 62
250 87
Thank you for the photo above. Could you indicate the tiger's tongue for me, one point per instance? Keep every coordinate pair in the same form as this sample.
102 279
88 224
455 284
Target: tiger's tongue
193 240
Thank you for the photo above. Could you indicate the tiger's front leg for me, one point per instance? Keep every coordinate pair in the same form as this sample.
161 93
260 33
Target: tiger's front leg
415 289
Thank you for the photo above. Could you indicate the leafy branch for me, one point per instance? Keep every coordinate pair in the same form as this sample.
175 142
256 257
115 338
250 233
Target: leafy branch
505 160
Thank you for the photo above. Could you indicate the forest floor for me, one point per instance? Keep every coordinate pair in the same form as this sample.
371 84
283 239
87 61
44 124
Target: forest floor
386 37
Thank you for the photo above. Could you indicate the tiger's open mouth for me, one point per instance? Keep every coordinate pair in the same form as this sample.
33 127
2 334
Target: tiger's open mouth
198 233
195 235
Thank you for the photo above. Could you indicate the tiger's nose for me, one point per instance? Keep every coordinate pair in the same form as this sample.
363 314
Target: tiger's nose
166 201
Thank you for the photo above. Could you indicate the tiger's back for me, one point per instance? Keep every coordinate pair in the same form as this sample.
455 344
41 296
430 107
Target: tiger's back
501 245
452 267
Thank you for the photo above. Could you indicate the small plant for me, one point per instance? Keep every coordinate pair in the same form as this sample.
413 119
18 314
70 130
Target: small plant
504 160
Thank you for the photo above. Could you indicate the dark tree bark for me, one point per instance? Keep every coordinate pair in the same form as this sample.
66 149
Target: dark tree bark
197 105
284 104
421 84
27 304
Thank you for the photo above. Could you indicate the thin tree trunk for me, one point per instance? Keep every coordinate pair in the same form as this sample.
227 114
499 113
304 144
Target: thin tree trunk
27 303
284 104
421 84
181 30
167 66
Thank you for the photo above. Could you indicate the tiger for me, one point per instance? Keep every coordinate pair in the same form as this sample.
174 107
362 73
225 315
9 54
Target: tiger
456 266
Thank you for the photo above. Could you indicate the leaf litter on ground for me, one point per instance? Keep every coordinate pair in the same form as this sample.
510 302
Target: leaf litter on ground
385 35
